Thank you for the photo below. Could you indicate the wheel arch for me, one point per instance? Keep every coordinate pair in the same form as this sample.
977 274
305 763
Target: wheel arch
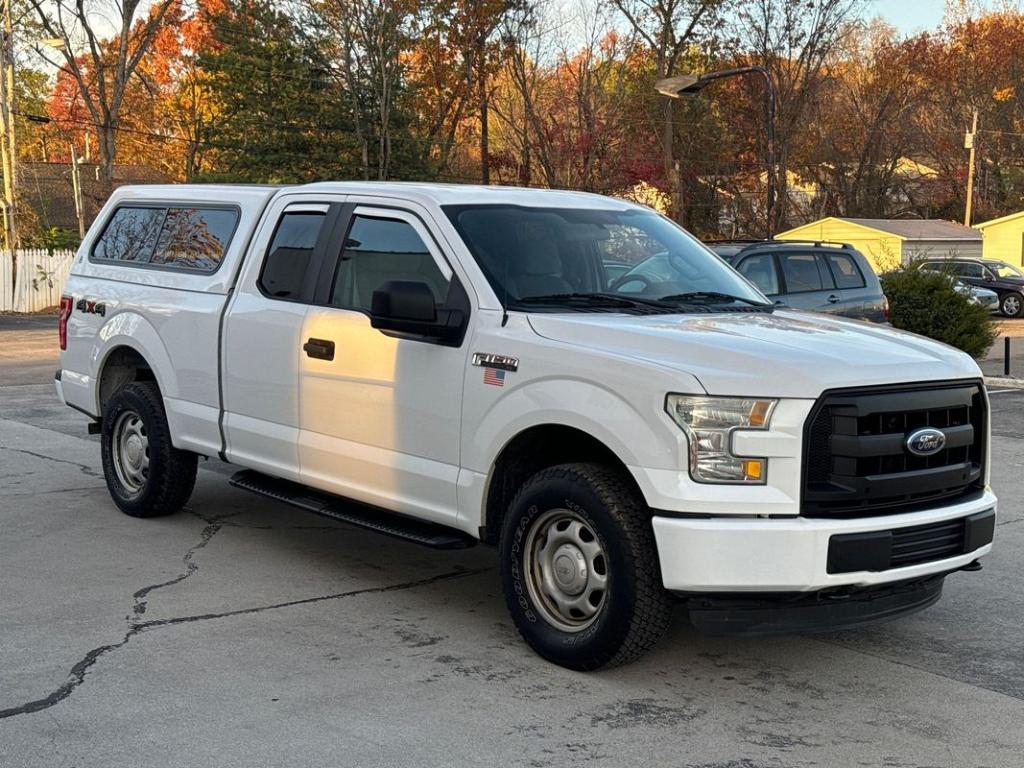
131 350
536 448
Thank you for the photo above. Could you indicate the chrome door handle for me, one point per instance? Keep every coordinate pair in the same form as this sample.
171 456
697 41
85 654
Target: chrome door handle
833 299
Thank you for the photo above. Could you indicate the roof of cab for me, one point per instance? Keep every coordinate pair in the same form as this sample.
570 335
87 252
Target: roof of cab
421 192
199 193
471 194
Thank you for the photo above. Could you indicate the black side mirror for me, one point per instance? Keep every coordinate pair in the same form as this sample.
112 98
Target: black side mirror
404 300
407 308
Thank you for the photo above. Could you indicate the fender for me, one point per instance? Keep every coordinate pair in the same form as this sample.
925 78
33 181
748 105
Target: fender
633 436
130 329
637 440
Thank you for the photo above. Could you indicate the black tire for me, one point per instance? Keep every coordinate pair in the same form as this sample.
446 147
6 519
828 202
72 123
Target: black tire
1011 304
171 473
635 609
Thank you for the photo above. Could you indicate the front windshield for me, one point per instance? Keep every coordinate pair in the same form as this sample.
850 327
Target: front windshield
538 256
1002 269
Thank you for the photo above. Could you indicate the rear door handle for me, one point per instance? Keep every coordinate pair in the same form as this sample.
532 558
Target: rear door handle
833 299
322 349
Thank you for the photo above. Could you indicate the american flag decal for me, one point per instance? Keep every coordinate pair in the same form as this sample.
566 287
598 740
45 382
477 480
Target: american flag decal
494 376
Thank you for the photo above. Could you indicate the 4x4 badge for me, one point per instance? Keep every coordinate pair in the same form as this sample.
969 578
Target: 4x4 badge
490 360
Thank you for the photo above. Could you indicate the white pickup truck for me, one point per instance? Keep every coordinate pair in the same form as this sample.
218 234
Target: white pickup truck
453 364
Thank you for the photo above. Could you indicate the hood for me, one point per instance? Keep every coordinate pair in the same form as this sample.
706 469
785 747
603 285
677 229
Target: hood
782 354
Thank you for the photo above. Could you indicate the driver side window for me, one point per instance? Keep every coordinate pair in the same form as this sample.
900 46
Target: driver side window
379 250
760 270
969 269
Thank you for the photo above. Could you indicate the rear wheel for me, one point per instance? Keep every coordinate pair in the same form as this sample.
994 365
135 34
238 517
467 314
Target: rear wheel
146 475
580 568
1011 304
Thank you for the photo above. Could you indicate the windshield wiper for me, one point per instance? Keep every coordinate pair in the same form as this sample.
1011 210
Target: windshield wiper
594 299
712 296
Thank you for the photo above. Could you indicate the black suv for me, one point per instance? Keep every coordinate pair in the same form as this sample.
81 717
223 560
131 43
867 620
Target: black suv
1005 279
820 276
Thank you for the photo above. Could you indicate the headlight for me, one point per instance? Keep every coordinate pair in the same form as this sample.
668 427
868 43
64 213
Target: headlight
708 423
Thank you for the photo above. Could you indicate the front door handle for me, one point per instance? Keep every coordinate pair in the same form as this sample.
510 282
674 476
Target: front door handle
833 299
321 349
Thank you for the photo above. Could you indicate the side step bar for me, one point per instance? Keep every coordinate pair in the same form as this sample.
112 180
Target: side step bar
354 513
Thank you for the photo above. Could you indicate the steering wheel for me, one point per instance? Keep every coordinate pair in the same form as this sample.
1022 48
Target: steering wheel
619 282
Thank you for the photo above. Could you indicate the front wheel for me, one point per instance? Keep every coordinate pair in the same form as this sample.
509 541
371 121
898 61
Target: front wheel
1011 304
146 475
580 569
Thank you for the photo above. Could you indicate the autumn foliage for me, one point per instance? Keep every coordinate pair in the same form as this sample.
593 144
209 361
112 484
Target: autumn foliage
519 92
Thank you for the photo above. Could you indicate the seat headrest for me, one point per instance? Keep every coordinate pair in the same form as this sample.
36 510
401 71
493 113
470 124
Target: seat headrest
538 257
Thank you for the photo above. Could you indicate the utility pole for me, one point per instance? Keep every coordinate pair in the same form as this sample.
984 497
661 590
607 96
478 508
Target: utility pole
969 143
7 150
76 184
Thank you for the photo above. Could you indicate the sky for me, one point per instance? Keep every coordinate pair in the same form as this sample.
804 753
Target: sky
910 16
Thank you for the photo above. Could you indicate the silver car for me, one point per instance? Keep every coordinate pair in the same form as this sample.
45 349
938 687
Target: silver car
978 295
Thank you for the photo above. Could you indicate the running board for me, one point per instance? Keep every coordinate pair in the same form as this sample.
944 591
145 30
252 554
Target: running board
351 512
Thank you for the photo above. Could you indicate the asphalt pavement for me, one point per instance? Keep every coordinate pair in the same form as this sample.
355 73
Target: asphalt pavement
245 633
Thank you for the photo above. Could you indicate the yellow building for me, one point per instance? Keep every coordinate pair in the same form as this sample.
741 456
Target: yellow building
887 243
1003 238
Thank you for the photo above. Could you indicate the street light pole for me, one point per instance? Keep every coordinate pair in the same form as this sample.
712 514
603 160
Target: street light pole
7 151
970 143
690 85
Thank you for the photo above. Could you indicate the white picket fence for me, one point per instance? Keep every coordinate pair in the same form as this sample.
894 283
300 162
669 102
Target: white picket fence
38 282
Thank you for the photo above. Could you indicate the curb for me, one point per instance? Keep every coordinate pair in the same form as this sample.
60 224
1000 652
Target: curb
1003 382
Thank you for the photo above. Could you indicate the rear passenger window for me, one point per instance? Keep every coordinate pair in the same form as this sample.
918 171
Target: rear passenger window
130 235
194 238
290 252
846 271
803 272
377 251
172 238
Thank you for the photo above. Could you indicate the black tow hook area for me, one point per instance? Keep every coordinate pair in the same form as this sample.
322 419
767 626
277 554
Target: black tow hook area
975 566
826 611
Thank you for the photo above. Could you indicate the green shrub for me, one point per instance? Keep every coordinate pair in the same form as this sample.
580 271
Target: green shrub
925 302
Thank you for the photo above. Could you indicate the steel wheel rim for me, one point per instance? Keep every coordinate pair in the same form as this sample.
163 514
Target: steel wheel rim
566 570
131 451
1012 305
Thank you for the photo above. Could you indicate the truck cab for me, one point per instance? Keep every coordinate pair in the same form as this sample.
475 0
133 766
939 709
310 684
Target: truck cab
457 362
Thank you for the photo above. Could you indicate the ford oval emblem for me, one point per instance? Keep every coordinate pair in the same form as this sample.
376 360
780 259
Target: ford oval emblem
926 442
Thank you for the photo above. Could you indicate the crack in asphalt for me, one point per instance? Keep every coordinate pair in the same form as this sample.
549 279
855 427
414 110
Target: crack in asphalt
85 469
77 674
454 574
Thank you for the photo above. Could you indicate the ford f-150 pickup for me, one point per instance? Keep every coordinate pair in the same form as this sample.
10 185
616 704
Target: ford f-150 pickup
456 364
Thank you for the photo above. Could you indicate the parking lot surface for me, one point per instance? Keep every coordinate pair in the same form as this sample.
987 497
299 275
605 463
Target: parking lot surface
246 633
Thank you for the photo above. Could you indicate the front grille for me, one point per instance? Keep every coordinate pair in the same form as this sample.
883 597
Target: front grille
856 463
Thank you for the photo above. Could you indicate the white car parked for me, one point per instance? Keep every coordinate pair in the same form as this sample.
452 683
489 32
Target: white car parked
451 358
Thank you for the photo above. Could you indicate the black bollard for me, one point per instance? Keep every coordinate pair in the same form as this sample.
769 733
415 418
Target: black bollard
1006 356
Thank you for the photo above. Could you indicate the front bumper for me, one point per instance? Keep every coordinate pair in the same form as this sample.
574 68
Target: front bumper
729 555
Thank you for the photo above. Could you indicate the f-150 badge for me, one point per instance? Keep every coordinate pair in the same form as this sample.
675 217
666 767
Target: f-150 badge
500 362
